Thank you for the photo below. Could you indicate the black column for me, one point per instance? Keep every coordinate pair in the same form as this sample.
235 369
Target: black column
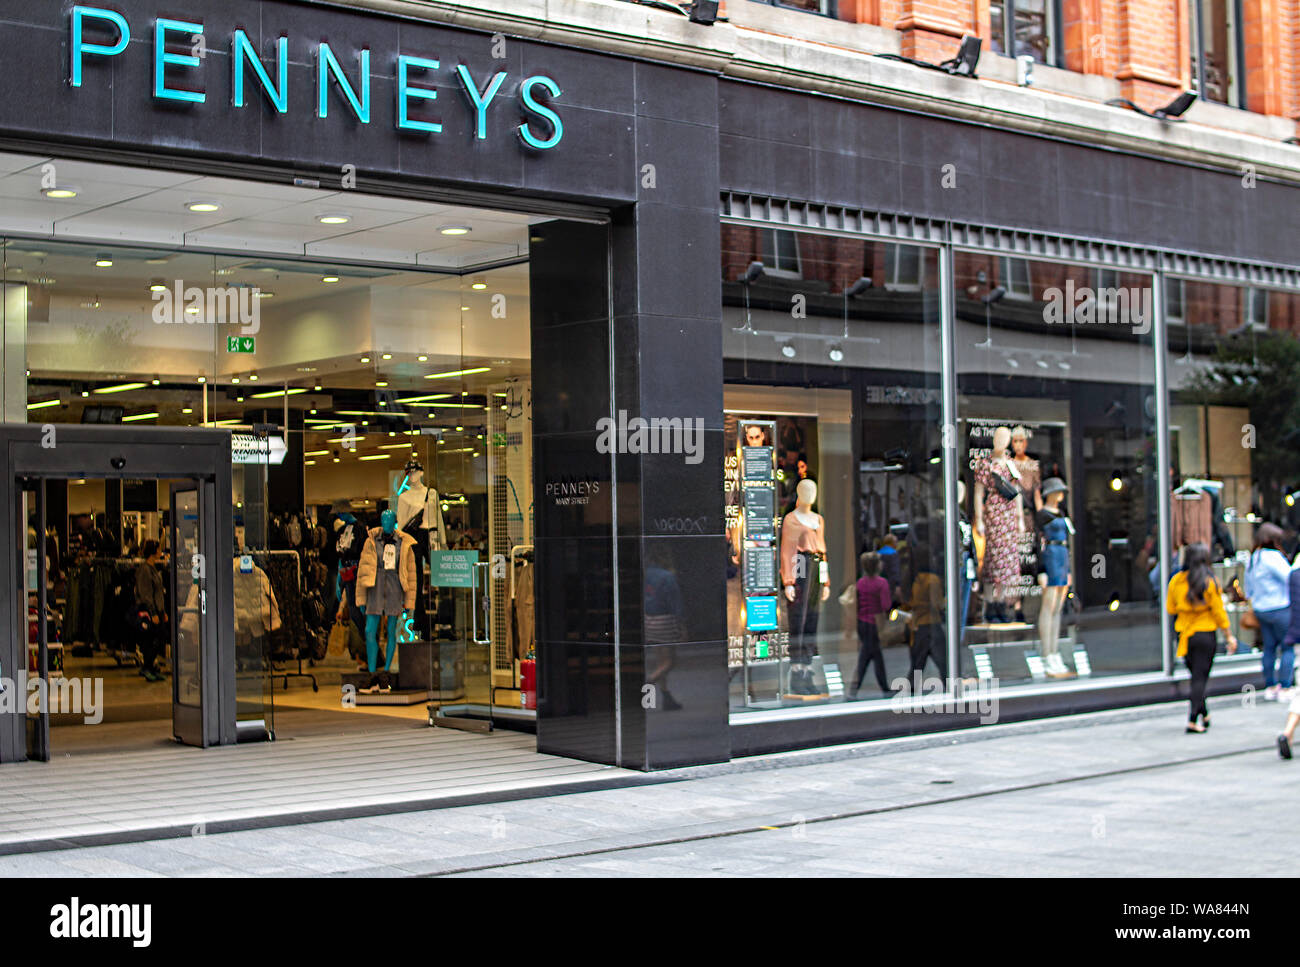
662 257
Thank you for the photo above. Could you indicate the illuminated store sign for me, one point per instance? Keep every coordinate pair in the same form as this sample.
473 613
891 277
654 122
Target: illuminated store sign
178 76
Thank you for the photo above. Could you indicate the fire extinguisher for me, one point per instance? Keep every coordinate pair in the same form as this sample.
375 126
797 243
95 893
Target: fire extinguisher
528 679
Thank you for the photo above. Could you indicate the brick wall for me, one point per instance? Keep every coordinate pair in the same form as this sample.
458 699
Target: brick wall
1144 44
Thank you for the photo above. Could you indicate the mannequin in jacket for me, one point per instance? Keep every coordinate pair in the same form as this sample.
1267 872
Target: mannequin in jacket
386 584
418 507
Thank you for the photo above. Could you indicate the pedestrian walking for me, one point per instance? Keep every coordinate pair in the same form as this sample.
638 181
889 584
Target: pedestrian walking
151 611
1268 578
1288 644
1195 601
874 602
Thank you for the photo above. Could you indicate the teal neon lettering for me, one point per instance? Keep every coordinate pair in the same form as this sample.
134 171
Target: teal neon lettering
328 64
161 58
480 101
79 47
542 111
243 53
405 91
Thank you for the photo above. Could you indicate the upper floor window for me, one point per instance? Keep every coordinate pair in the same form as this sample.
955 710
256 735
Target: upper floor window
903 267
1036 23
826 7
1216 51
1015 278
1257 308
780 253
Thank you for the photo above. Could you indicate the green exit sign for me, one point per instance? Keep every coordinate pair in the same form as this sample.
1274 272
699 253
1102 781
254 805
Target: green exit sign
241 344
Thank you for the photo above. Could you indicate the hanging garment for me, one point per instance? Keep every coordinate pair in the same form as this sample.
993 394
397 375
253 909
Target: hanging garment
524 624
374 561
291 636
1192 519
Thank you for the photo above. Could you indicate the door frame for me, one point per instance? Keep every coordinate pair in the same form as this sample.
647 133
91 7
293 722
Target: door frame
42 452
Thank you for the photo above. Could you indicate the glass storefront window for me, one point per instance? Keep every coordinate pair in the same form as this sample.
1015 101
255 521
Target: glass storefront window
1057 410
833 467
1233 360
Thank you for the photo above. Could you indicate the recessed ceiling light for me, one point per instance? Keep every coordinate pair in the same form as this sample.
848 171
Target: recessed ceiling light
203 207
157 285
788 350
365 359
155 381
60 193
263 294
423 359
188 410
479 284
103 262
226 271
381 384
386 356
160 260
455 230
459 372
234 379
334 218
203 379
836 353
331 279
253 377
464 308
192 310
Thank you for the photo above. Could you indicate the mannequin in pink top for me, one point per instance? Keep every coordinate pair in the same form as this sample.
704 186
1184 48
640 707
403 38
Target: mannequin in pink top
803 559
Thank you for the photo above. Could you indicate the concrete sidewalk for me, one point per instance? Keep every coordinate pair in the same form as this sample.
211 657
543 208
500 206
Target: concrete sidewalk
1002 799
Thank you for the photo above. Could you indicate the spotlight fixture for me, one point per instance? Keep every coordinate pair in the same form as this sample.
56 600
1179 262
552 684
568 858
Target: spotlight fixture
365 359
836 353
858 287
963 65
386 356
704 12
1291 498
788 350
1173 111
455 230
994 295
157 285
330 279
1116 482
334 218
203 207
752 274
1113 604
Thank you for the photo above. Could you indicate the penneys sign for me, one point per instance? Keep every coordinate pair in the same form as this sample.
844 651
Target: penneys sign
179 64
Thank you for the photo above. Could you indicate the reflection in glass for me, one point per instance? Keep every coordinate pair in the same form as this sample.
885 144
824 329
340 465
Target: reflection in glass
832 452
1057 466
1234 378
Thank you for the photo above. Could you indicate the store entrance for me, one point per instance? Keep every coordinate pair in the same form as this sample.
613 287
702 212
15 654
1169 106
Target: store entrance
115 640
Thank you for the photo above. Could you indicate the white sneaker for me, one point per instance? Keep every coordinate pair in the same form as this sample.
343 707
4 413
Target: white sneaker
1286 694
1271 693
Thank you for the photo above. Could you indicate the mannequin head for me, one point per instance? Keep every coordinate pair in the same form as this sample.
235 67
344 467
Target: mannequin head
961 491
805 493
414 473
1053 491
1019 441
1001 440
388 521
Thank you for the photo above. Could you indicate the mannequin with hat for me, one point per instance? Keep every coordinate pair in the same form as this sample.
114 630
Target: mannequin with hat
418 508
1057 531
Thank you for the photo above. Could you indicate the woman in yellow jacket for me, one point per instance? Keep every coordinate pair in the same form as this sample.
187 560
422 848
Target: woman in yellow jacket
1197 605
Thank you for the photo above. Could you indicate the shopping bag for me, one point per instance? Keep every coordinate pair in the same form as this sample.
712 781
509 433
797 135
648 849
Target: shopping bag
338 640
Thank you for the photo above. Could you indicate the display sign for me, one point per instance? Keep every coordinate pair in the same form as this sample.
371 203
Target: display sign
760 513
760 613
757 462
246 448
241 344
760 569
452 569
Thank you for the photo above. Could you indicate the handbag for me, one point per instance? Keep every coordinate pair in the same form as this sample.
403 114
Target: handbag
892 627
1005 487
1249 620
338 639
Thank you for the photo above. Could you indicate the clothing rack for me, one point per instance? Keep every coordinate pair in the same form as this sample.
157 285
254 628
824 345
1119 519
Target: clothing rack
297 570
517 551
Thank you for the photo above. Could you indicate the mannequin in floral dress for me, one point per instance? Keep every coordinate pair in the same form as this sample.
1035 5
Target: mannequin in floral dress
1031 501
1000 520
